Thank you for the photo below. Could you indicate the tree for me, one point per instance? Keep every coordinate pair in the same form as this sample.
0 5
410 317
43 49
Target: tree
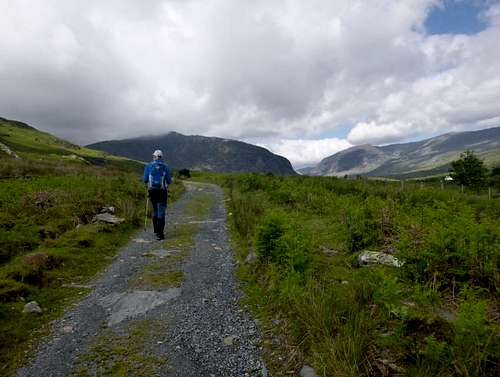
469 170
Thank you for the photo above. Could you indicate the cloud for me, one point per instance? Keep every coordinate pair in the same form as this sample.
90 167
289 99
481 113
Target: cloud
303 152
283 72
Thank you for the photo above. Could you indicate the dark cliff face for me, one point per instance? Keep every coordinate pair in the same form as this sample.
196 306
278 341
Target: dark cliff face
200 153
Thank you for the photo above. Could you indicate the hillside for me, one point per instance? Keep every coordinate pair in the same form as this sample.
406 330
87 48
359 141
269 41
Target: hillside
50 238
200 153
19 141
417 159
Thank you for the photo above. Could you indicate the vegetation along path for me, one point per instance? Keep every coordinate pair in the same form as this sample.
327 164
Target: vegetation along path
162 308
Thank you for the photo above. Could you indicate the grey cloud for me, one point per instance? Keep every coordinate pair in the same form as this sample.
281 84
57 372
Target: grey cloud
268 71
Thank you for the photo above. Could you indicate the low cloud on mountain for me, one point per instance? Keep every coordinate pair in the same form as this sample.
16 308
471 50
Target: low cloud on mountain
281 74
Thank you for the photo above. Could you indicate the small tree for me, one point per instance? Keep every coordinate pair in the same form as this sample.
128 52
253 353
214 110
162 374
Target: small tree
469 170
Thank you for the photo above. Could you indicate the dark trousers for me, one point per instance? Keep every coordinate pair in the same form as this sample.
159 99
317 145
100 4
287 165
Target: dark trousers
158 199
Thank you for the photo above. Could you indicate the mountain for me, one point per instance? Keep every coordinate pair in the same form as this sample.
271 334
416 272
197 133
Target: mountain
200 153
22 142
417 159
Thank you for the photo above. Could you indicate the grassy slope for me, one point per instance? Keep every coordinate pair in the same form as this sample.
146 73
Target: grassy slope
47 240
437 315
39 148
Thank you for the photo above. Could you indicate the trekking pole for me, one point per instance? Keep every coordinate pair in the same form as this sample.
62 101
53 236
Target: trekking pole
146 212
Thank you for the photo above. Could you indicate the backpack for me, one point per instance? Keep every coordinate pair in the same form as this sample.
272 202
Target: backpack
157 176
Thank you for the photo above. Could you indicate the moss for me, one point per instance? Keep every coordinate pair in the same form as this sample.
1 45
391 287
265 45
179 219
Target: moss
124 352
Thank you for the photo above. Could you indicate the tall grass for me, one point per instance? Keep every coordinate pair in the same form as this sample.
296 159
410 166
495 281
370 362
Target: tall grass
48 240
436 315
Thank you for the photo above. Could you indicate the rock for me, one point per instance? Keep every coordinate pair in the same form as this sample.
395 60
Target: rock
67 329
329 252
307 371
107 218
32 307
108 209
344 282
9 151
251 257
367 258
230 340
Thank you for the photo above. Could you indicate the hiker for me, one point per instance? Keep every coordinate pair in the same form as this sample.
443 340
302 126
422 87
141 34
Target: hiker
157 176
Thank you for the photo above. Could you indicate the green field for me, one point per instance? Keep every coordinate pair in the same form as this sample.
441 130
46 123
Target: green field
437 315
48 242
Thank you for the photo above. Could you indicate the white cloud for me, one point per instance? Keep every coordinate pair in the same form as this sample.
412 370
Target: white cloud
373 133
303 152
271 71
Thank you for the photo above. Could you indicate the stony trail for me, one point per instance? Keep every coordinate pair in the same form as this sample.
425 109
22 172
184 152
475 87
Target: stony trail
161 308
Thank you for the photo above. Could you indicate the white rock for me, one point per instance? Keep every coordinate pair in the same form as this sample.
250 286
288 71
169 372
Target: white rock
32 307
107 218
307 371
367 258
251 257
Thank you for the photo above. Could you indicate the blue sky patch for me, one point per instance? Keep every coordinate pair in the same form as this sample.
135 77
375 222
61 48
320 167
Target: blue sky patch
458 17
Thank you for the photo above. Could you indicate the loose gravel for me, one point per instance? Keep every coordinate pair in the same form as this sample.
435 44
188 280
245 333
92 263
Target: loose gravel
206 332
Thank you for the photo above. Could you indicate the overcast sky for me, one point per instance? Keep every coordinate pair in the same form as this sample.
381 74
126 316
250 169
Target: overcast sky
305 78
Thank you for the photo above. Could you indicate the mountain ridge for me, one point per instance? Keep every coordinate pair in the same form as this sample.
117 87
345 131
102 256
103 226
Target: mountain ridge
427 157
198 152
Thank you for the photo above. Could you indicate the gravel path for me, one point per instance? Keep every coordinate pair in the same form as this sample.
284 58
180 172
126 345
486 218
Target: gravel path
195 330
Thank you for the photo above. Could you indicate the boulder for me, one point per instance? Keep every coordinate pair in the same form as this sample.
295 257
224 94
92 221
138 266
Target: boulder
107 218
32 307
368 258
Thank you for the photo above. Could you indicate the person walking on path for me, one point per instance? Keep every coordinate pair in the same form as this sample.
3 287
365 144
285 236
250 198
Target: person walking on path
157 176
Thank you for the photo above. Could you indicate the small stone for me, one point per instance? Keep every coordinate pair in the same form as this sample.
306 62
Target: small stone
307 371
325 250
251 257
67 329
344 282
32 307
230 340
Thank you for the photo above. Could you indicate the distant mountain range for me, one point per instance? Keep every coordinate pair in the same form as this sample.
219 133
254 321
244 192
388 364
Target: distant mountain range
200 153
418 159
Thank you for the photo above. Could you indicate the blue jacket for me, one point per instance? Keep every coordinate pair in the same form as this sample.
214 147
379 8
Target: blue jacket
149 168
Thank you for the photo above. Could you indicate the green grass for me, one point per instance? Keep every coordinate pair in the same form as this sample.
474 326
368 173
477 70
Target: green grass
436 315
125 353
44 154
47 238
